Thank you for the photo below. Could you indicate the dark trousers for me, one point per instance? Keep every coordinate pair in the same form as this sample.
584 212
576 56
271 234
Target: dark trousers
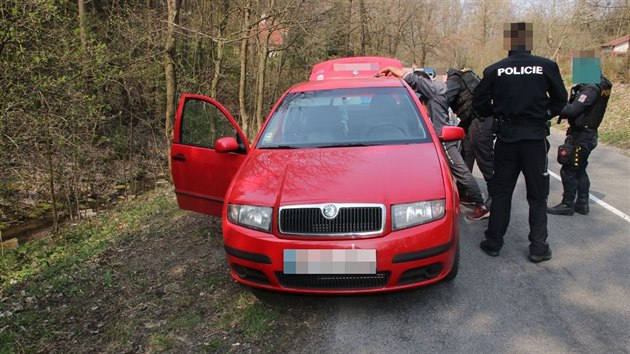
510 159
462 174
574 176
478 145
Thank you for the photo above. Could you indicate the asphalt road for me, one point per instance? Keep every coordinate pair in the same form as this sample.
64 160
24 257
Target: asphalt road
579 302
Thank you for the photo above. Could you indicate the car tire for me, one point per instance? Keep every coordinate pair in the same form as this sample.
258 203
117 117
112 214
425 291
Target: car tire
453 273
264 295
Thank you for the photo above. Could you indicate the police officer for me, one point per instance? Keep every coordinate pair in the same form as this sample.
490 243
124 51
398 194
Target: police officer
584 112
479 141
434 94
523 92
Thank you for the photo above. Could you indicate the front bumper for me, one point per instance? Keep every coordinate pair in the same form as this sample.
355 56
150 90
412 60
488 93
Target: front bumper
405 259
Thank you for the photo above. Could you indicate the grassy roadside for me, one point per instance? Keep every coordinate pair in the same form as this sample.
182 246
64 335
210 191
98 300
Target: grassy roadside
615 128
145 277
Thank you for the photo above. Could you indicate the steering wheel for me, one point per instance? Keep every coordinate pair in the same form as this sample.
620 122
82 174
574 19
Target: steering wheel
386 129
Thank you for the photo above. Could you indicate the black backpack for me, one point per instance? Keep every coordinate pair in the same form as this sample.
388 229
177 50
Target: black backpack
462 104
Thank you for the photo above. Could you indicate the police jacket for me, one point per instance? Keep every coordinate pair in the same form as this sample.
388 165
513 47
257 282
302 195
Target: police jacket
585 112
523 92
588 104
434 95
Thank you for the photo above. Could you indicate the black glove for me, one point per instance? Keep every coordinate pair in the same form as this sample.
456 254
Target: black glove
574 90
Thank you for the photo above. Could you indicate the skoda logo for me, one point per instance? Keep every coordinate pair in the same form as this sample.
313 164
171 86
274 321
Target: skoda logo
330 211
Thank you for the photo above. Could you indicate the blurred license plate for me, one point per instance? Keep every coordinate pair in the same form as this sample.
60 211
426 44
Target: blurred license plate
330 261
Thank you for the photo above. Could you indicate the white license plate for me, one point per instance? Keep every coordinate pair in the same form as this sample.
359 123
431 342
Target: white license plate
330 261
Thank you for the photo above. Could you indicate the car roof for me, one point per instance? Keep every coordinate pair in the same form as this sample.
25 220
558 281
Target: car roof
347 83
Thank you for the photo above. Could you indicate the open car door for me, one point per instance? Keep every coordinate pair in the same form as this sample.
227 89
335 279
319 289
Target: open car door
203 165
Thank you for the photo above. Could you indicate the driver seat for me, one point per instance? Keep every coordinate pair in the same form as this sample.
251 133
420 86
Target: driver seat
385 120
323 124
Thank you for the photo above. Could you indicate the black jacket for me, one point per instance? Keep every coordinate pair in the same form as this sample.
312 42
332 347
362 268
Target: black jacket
434 95
459 92
587 108
523 92
585 112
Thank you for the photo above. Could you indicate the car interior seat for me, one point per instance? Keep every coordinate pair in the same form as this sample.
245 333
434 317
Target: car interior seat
323 124
385 119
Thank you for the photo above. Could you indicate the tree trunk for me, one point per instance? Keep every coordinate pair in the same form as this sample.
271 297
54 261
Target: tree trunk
348 48
364 31
51 182
242 82
218 63
50 146
80 5
263 54
169 68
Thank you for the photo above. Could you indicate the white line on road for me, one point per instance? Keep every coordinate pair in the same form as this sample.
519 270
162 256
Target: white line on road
600 202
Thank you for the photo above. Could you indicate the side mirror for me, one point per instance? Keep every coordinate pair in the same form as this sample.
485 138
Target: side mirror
227 144
452 133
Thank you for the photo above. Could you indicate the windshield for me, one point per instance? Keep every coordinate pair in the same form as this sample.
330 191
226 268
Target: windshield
345 117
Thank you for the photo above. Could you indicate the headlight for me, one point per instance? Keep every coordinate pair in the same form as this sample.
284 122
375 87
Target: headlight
407 215
254 217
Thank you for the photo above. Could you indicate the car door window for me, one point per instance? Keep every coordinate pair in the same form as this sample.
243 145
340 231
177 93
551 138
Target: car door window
203 123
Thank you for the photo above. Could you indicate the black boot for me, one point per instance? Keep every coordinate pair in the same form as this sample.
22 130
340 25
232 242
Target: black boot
581 205
561 209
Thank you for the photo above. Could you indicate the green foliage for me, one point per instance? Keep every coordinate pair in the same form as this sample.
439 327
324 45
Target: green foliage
49 262
249 315
186 320
59 266
84 107
258 318
216 346
161 342
7 338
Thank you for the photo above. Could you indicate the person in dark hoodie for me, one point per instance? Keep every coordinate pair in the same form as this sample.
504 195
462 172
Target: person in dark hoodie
523 92
585 112
433 94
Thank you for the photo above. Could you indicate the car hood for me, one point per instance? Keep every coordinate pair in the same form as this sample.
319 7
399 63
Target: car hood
374 174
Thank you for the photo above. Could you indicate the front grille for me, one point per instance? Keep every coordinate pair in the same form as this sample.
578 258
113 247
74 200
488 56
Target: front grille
352 219
333 281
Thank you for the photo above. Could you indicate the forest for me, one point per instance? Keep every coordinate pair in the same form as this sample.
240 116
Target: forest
90 87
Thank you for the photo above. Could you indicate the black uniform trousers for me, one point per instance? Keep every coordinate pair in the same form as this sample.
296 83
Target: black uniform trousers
574 176
510 159
478 145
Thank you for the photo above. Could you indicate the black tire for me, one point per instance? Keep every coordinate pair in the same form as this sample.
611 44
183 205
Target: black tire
264 295
453 273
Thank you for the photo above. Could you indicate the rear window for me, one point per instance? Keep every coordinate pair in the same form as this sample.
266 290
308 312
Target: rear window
345 117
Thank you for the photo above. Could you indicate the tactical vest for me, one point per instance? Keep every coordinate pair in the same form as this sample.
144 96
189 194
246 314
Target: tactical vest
462 104
594 114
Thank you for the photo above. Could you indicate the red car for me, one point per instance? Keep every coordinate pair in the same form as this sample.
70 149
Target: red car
346 189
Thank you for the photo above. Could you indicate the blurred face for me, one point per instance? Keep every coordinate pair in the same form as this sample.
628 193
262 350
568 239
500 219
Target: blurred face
441 74
586 67
518 36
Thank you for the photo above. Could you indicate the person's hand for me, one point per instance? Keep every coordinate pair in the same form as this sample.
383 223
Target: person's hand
390 70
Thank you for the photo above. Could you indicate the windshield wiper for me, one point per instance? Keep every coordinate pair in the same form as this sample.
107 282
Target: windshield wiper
281 147
346 145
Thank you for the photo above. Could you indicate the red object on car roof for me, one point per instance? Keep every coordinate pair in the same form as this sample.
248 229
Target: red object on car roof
345 68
